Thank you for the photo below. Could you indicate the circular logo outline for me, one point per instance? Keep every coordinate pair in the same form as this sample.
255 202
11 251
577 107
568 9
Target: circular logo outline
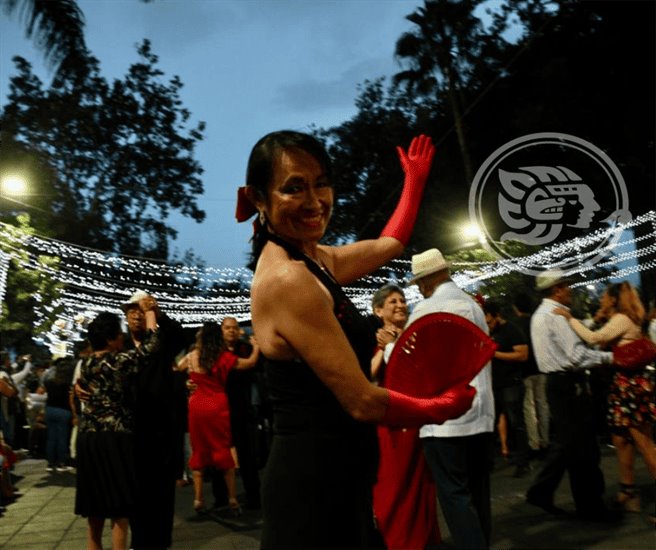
548 138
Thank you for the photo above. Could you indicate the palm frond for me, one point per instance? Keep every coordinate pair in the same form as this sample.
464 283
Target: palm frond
57 27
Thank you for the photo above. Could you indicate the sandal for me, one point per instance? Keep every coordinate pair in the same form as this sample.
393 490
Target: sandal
199 506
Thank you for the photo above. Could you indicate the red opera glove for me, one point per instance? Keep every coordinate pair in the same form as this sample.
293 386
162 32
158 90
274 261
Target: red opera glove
416 164
403 410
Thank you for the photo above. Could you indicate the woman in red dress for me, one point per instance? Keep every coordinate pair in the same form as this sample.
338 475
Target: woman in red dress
208 365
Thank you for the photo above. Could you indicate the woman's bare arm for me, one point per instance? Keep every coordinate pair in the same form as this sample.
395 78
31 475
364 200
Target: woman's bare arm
615 328
301 313
355 260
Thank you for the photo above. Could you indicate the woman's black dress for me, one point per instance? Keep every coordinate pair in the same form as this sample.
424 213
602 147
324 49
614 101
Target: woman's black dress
317 485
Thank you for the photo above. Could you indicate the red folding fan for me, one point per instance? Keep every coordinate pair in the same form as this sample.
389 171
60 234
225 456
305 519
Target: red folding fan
436 352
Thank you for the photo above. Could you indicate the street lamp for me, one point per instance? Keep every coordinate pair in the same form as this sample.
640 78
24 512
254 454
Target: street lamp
13 185
471 236
472 231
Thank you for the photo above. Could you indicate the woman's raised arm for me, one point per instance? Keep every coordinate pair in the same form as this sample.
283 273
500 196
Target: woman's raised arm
352 261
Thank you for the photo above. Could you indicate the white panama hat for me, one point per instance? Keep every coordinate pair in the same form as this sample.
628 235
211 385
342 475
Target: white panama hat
549 278
426 263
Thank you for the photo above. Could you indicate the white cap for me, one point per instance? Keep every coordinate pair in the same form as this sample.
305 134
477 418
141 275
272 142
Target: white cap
134 300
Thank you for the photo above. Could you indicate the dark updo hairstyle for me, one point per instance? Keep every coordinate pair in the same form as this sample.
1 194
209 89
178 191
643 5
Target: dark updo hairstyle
105 327
260 170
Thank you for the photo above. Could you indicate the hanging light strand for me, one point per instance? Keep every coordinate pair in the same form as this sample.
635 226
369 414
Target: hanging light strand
95 281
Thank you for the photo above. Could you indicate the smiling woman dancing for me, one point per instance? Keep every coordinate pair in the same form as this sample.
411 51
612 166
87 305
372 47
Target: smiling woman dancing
317 486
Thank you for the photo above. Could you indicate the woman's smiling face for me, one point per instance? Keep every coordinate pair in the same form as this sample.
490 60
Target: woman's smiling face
299 198
394 310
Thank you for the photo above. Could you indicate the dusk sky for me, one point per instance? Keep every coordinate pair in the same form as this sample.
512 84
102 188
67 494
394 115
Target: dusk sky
248 67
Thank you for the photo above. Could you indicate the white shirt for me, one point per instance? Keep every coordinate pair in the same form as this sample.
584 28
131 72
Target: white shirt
77 373
652 330
556 346
480 417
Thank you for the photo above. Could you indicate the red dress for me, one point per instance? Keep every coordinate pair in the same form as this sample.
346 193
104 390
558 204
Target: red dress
209 416
405 502
404 496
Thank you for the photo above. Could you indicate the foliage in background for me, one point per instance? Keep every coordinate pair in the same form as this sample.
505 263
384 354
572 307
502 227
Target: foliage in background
26 310
121 154
476 82
57 28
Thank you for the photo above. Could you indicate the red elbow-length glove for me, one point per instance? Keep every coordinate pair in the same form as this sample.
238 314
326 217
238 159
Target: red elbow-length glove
403 410
416 164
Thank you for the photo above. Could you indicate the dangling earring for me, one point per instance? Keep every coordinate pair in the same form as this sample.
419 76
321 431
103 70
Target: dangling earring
262 218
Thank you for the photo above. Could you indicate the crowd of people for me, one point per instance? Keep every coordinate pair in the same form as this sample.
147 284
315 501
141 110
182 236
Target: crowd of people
353 460
117 415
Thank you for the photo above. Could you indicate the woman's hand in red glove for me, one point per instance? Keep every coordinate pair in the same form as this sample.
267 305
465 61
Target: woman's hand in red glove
417 162
403 410
454 402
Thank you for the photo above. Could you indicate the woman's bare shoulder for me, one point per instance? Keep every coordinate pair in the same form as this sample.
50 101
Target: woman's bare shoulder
283 279
283 294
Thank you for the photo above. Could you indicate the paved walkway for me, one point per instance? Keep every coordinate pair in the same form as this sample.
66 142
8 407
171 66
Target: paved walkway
42 518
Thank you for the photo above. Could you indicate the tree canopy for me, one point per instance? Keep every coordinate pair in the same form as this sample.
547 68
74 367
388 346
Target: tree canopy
105 165
119 155
475 81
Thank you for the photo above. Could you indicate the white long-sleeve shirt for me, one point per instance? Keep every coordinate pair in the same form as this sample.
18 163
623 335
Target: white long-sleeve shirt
21 375
556 346
480 417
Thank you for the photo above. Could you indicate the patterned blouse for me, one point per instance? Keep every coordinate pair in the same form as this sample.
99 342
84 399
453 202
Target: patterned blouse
110 378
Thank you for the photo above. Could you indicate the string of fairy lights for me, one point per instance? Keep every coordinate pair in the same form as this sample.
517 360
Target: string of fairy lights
93 281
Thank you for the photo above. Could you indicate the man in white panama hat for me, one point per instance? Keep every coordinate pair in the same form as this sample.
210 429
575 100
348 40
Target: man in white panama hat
458 451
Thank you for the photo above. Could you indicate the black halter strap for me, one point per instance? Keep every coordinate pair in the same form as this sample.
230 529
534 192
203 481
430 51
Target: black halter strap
321 273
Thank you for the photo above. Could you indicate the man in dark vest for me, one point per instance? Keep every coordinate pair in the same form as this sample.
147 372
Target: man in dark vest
157 445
